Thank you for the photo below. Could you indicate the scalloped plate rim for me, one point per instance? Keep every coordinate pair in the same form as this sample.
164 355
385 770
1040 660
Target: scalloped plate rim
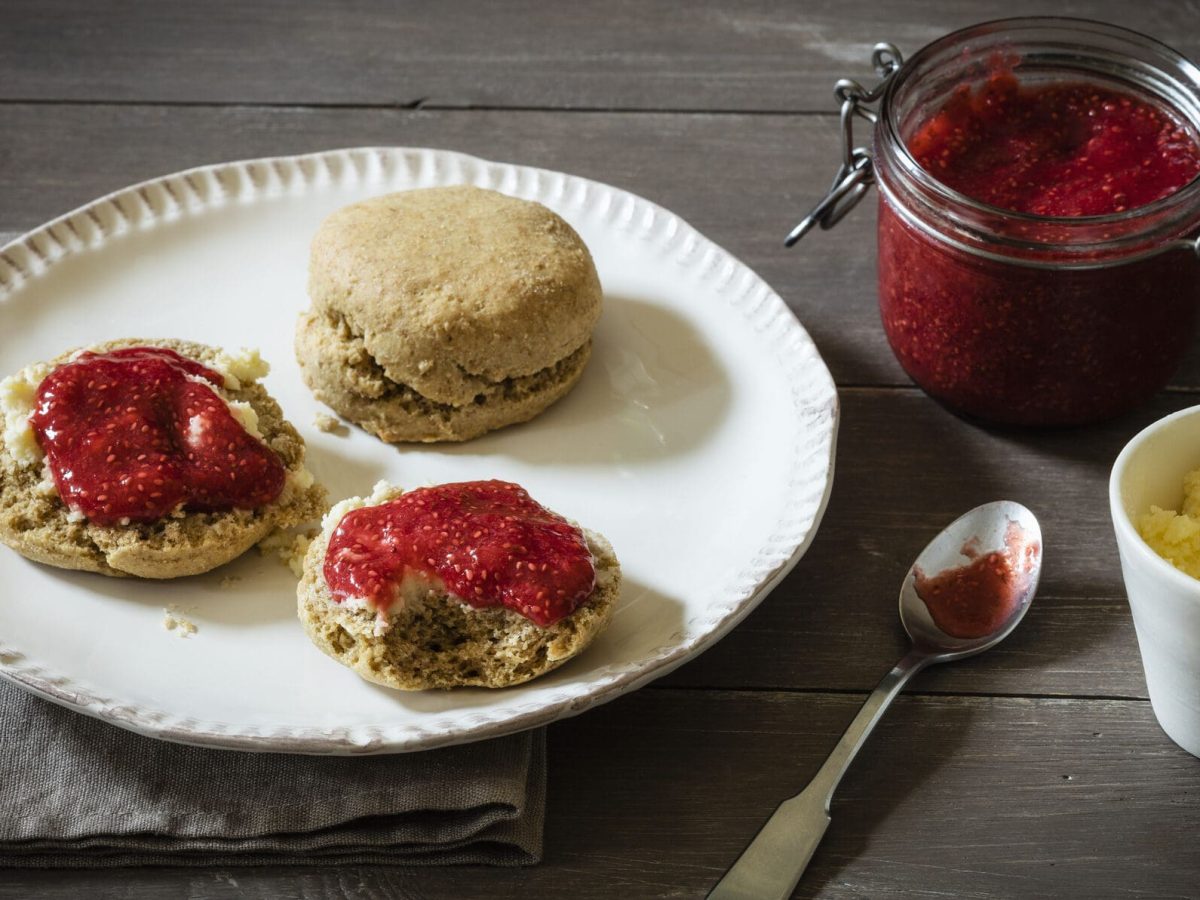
602 687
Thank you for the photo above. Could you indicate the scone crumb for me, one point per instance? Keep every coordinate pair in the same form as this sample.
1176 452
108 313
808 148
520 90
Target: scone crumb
230 580
330 424
175 621
274 542
288 547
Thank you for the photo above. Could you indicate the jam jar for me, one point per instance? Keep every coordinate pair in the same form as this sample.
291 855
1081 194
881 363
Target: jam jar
1039 208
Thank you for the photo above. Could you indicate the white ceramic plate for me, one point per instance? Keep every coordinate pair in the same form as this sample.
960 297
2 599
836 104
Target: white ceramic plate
700 441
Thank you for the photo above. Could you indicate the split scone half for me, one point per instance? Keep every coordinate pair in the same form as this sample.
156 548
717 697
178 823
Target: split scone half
444 313
428 637
37 523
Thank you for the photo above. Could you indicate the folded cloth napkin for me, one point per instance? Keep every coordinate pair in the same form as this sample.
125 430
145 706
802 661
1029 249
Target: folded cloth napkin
75 791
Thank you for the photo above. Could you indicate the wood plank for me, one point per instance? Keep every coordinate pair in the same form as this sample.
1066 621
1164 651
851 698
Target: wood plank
770 169
654 795
670 54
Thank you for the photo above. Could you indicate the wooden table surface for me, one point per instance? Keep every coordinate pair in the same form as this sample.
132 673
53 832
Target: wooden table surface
1036 770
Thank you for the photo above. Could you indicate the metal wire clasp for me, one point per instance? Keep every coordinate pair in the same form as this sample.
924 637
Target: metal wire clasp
856 174
1192 244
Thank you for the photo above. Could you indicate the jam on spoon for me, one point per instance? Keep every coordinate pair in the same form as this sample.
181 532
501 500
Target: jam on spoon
976 599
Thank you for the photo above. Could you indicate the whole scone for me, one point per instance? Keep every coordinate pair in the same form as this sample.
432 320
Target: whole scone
434 640
443 313
37 524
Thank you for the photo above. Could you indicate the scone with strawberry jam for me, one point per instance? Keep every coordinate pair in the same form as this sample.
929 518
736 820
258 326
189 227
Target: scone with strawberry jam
472 583
148 458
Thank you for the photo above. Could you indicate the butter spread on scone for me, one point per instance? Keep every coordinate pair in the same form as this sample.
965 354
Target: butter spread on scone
468 583
149 458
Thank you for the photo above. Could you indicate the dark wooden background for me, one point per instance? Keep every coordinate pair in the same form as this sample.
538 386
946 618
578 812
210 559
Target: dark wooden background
1037 770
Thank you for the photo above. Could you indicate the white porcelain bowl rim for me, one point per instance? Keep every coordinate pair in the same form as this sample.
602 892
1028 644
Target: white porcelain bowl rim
1124 526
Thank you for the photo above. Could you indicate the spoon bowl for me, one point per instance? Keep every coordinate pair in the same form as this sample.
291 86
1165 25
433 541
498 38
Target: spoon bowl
1004 531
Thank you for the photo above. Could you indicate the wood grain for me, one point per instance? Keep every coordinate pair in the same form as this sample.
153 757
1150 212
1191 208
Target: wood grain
652 796
626 54
742 180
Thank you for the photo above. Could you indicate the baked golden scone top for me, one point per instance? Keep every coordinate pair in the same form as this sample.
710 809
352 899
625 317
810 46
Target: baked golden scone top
455 289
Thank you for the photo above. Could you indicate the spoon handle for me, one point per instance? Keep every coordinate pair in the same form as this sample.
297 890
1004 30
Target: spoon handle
770 868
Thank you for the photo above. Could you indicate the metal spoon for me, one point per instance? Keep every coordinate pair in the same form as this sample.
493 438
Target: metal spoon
770 868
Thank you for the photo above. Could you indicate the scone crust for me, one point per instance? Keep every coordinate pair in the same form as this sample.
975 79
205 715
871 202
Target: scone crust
341 373
443 643
37 526
454 290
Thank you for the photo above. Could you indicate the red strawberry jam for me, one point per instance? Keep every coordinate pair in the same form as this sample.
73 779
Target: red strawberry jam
977 599
488 541
1060 149
133 434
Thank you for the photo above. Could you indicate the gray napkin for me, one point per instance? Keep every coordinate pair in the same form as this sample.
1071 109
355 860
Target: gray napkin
75 791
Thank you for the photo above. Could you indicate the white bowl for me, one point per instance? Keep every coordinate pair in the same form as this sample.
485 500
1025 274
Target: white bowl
1165 601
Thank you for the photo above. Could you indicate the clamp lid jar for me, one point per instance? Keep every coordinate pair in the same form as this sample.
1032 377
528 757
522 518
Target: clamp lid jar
1038 213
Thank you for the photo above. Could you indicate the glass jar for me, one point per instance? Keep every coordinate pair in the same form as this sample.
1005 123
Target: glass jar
1019 318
